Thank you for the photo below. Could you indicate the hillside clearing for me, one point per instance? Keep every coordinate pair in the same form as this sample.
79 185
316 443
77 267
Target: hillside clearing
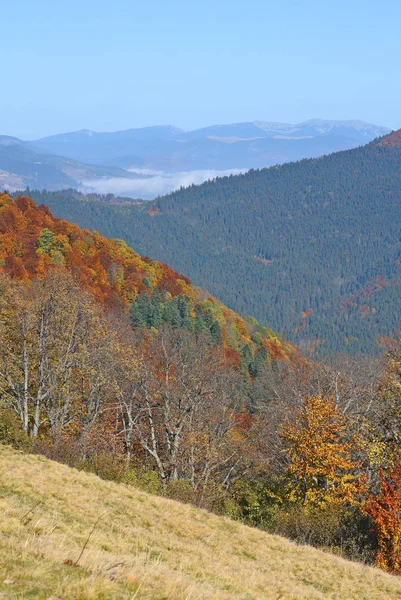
143 546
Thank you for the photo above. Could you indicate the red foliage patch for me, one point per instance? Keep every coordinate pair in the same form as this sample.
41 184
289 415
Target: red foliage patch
111 271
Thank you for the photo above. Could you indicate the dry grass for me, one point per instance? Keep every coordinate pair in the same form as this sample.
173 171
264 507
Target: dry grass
147 547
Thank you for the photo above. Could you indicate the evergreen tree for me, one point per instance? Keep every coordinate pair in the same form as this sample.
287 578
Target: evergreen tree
199 321
136 315
156 309
216 333
246 357
185 313
171 313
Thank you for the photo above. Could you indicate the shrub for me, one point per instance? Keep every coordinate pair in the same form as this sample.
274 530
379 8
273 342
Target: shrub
11 431
181 490
342 530
254 501
149 481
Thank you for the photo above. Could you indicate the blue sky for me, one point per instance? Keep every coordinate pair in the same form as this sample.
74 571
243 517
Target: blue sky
115 65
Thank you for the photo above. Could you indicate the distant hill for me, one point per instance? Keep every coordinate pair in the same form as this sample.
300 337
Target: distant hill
239 145
68 534
23 166
312 248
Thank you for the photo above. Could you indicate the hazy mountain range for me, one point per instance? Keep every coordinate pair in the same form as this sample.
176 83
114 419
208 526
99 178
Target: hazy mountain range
22 165
240 145
150 161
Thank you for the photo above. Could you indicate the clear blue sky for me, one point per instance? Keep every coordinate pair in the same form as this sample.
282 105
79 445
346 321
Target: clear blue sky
118 64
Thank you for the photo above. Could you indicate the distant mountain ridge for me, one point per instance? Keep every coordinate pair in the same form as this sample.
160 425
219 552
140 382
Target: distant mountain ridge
239 145
312 128
262 128
22 165
105 162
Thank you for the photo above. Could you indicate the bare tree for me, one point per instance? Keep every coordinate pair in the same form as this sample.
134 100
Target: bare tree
54 353
181 408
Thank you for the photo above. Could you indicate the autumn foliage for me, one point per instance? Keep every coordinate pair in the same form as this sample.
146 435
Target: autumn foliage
87 376
115 362
385 509
33 241
321 469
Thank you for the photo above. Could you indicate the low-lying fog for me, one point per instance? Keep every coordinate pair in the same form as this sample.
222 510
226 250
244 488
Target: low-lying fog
150 184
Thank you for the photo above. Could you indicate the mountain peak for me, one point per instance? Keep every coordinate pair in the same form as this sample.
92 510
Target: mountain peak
358 126
88 132
271 125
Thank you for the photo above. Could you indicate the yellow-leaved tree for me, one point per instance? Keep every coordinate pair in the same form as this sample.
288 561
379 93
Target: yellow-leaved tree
321 469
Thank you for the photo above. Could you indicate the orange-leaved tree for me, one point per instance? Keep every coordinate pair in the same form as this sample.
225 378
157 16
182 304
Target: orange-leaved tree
385 510
321 468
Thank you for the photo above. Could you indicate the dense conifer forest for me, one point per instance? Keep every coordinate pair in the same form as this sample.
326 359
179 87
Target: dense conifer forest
311 248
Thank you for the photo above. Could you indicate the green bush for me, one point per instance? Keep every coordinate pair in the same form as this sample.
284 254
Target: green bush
11 431
342 530
254 501
148 481
180 490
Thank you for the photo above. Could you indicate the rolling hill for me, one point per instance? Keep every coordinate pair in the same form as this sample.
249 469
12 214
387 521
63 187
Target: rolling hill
69 535
23 166
312 248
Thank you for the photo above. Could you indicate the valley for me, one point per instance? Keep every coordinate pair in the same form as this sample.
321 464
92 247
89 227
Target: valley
310 248
200 316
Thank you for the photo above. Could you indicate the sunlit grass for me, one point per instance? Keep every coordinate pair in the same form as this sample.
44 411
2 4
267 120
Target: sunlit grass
149 547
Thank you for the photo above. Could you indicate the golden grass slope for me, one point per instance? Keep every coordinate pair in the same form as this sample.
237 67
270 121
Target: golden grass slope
145 547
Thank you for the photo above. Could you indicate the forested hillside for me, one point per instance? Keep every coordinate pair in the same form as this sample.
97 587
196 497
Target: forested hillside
115 364
312 248
105 353
33 241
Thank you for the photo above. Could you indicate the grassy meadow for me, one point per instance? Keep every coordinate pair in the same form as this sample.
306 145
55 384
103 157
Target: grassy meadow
67 534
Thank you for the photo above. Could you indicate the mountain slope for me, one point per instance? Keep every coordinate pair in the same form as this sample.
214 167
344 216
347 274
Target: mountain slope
313 248
71 535
24 166
32 241
239 145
